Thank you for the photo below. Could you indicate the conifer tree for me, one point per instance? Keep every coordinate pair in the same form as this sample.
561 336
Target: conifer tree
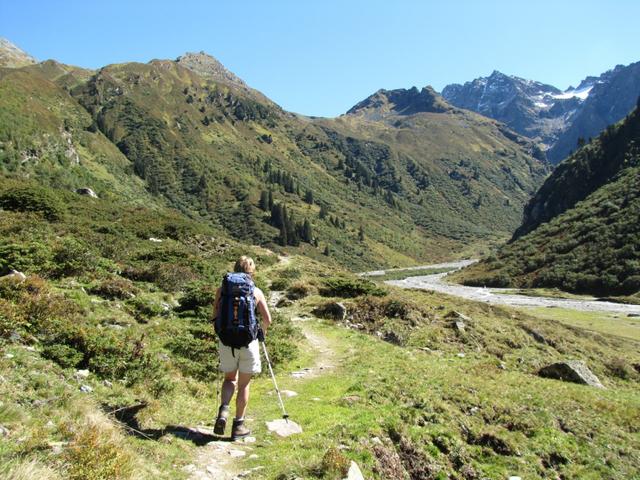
323 211
283 238
264 201
361 234
277 216
308 197
307 234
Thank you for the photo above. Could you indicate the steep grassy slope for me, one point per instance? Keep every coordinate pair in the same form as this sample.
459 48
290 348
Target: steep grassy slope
594 245
46 135
462 174
198 139
591 167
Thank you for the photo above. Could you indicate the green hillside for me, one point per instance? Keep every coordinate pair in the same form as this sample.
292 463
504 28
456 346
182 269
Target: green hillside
594 245
191 135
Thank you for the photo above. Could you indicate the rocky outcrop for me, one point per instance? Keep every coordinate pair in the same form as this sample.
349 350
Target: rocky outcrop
400 102
204 64
571 371
512 100
13 57
612 96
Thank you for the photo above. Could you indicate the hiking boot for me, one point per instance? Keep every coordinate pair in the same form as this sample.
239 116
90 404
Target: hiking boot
221 421
239 430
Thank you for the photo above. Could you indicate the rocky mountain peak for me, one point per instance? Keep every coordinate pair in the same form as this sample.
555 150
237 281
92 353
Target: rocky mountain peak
401 101
554 118
206 65
12 56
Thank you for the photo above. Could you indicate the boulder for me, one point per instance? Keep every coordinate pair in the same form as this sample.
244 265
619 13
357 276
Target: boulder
86 191
571 371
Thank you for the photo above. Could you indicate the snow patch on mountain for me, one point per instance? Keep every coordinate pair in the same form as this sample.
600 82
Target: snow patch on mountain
582 94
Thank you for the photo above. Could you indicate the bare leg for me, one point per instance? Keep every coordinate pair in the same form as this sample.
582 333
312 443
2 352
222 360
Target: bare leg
242 398
228 387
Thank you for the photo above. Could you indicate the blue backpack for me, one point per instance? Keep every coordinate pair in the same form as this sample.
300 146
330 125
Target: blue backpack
236 324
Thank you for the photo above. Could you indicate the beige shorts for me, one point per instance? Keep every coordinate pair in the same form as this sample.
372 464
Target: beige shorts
245 359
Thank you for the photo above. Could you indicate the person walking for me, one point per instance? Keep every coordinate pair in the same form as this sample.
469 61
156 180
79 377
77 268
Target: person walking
239 332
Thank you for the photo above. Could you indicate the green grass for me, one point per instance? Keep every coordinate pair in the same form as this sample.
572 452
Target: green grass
615 324
439 413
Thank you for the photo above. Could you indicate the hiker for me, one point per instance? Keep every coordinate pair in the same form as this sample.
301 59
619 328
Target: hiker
239 332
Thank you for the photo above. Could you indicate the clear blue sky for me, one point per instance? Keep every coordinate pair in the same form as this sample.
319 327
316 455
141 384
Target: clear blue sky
321 57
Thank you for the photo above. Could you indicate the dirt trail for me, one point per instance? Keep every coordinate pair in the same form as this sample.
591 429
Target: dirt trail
216 460
325 359
500 296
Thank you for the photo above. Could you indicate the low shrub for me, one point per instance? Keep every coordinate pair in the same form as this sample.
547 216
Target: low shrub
196 351
115 288
143 309
96 452
72 257
334 464
280 284
32 199
197 295
350 287
29 257
171 277
298 290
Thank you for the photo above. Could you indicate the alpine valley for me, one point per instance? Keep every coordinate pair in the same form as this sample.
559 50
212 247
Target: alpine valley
127 192
383 184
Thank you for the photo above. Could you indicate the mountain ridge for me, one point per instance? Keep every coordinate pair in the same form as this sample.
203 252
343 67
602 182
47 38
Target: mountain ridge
554 118
12 56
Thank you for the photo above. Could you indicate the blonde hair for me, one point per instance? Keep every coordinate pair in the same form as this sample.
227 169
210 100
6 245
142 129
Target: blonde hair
245 265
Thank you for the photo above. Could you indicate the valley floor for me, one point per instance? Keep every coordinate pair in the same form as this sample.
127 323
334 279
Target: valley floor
501 296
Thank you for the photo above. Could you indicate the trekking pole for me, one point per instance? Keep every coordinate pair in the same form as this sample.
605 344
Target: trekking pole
273 377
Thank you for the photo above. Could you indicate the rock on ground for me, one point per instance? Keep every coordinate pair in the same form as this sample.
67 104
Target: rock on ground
284 428
571 371
15 276
354 472
86 191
